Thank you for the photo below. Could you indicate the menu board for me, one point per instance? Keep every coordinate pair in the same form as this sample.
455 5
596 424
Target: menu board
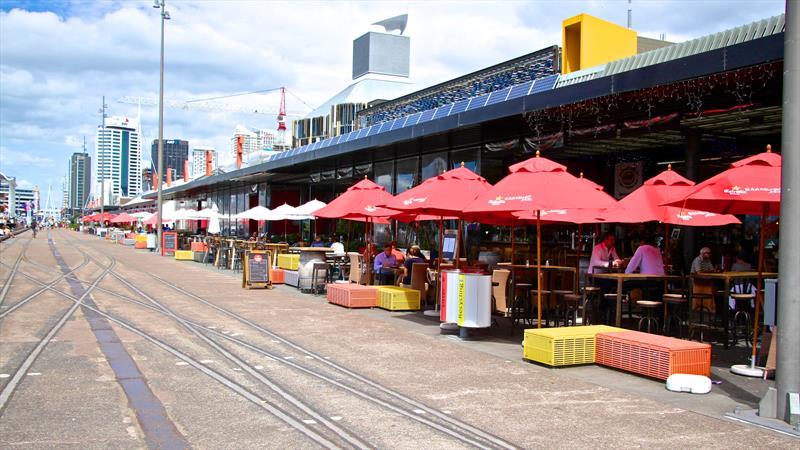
169 242
256 269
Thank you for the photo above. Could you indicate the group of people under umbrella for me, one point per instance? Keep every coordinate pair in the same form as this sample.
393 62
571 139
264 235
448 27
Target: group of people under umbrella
540 191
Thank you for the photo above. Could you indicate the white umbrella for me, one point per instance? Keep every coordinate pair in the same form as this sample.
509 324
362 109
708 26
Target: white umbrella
257 213
283 212
208 214
142 215
306 211
184 214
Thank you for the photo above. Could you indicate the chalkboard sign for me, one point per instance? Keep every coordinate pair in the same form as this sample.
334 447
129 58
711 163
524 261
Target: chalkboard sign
256 269
169 242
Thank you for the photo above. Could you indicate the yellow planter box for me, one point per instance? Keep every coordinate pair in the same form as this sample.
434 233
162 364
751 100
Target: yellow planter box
184 255
141 238
288 261
563 346
396 298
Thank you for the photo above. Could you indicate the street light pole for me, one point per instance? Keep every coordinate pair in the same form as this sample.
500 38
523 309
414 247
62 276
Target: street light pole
160 165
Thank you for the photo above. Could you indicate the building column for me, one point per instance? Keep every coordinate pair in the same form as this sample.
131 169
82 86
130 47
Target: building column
691 169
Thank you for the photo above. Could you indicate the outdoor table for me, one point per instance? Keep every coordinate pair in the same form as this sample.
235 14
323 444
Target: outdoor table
726 278
515 267
621 278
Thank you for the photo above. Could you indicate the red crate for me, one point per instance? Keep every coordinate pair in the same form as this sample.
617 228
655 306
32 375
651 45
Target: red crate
276 276
652 355
352 295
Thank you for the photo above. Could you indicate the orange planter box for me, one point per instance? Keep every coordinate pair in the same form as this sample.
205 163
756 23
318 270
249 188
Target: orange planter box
140 244
352 295
276 276
652 355
198 247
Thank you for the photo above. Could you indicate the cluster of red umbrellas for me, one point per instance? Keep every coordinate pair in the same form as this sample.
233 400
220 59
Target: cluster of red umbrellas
542 191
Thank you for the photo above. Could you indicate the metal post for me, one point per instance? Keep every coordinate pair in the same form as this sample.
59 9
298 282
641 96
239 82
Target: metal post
160 164
787 378
691 172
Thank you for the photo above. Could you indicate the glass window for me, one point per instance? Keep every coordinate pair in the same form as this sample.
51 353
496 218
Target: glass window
407 174
384 175
468 156
433 164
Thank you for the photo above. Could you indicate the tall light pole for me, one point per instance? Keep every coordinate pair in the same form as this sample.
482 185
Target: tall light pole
159 4
101 161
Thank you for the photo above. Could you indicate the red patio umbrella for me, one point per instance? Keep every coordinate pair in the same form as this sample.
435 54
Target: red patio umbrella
360 203
534 185
751 186
124 218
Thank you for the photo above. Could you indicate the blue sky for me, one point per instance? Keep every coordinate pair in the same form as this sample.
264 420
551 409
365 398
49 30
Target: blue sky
57 58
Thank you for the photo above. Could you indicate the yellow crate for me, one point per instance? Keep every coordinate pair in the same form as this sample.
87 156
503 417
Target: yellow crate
184 255
141 238
288 261
396 298
563 346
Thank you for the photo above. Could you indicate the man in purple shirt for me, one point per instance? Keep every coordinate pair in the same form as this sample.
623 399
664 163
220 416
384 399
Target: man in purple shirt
648 261
384 265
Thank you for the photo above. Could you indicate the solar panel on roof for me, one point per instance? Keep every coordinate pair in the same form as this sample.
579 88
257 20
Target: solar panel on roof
413 119
544 84
498 96
442 111
520 90
348 136
426 115
478 102
373 129
361 132
459 106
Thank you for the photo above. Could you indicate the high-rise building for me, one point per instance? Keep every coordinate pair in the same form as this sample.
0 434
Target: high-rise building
176 151
254 141
199 161
16 199
80 181
147 179
119 158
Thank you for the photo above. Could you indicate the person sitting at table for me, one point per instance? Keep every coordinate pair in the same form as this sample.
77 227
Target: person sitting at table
740 264
253 237
399 256
338 247
647 258
702 263
384 265
604 254
414 256
317 241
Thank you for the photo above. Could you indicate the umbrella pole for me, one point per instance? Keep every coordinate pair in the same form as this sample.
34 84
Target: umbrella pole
759 282
539 269
512 242
458 243
441 259
284 230
666 243
578 262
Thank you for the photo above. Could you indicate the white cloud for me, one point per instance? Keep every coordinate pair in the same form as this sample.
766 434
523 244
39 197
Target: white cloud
25 184
14 158
55 66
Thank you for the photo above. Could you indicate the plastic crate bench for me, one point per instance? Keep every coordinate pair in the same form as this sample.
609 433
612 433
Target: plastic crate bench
396 298
291 277
352 295
652 355
289 261
140 244
562 346
183 255
276 276
198 256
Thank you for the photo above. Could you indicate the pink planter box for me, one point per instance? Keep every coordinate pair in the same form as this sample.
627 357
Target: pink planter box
352 295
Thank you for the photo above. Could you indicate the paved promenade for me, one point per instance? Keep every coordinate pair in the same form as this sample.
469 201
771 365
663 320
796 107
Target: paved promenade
167 354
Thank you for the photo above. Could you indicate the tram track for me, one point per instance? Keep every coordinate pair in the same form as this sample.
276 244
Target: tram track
14 268
10 387
359 385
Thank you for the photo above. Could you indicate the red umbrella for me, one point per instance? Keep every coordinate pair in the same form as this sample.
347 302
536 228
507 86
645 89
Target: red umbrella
360 202
154 218
644 204
124 218
89 218
750 186
532 186
443 195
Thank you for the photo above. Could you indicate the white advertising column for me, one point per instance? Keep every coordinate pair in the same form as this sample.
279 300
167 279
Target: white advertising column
466 300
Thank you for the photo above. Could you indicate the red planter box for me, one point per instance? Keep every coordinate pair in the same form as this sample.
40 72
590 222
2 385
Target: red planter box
276 276
352 295
652 355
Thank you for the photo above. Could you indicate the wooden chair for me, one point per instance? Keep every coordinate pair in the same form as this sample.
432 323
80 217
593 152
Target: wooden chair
500 291
419 278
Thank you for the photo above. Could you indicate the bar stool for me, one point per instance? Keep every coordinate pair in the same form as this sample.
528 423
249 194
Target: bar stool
320 276
674 305
591 296
572 303
533 302
742 318
649 306
561 307
522 300
612 297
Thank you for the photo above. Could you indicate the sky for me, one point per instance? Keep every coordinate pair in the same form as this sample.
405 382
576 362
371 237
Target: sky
58 58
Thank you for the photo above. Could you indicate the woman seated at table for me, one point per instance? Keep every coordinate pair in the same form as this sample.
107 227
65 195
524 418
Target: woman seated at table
414 255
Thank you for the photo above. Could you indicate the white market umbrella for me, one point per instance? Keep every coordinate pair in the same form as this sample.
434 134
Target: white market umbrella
257 213
306 211
142 215
282 213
